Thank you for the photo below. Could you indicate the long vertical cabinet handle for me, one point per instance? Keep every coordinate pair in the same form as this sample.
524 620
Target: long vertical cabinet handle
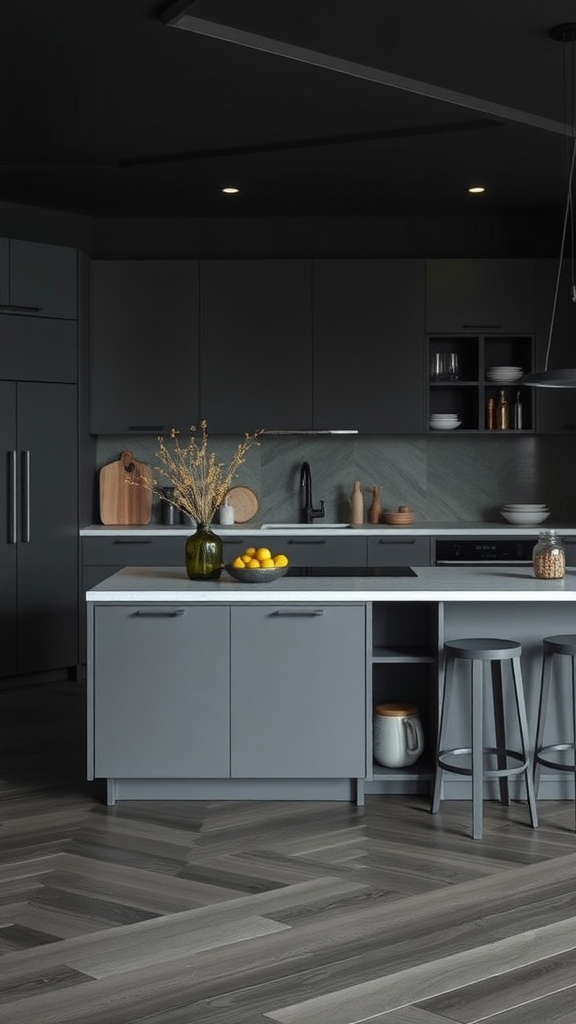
26 497
12 498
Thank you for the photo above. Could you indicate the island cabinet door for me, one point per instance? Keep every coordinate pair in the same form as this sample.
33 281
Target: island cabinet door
161 692
298 691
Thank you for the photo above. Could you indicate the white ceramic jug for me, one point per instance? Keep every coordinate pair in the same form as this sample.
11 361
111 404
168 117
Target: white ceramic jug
398 737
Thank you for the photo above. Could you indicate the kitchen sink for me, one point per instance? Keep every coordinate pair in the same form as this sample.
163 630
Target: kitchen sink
305 526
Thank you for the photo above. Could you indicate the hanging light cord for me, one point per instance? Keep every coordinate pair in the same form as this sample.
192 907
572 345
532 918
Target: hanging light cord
568 78
559 274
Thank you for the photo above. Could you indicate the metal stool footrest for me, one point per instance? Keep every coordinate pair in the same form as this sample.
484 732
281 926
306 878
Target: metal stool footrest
488 773
543 756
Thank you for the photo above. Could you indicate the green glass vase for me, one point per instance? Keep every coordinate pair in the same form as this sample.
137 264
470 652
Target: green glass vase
203 554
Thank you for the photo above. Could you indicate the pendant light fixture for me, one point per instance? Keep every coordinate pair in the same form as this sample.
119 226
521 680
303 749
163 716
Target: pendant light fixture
564 378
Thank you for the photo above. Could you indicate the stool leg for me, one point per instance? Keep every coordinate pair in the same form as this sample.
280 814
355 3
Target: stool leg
477 748
574 731
500 730
545 681
443 731
523 720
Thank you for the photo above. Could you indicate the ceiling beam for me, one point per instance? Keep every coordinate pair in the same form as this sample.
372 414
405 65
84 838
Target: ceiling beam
229 34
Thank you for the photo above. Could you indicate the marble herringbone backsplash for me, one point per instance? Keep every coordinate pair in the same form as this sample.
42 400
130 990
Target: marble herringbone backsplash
452 477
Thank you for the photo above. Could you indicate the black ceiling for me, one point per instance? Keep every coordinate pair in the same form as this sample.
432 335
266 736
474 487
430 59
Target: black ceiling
108 108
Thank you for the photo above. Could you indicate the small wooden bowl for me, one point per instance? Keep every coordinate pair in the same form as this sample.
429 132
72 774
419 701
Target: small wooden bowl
398 518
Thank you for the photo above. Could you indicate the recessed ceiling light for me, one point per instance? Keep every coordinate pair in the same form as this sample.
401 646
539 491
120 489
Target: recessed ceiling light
477 189
230 190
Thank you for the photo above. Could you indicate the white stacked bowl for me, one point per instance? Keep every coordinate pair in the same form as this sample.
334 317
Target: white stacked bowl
444 420
524 516
504 374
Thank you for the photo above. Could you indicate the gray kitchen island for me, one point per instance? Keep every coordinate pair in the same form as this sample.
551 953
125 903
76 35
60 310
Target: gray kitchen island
224 690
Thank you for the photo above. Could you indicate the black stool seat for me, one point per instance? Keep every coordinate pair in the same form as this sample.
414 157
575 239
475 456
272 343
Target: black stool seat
481 652
544 754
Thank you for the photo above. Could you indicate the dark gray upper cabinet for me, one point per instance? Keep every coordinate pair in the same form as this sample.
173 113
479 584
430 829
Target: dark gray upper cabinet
556 407
143 346
480 295
38 279
38 348
255 358
368 345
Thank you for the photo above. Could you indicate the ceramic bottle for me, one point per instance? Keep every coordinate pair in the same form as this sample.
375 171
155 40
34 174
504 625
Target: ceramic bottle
376 507
356 505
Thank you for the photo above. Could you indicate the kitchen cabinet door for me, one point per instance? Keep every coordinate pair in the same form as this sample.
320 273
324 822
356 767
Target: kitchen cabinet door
298 691
8 535
161 692
399 551
143 346
556 407
480 295
37 348
40 544
368 345
255 360
38 279
319 550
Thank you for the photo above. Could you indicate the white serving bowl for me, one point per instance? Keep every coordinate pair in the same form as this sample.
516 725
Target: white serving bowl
524 518
519 507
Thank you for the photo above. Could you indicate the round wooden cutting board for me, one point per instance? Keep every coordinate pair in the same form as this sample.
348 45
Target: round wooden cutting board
244 502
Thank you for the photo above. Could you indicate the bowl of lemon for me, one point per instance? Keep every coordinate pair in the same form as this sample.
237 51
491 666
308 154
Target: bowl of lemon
258 565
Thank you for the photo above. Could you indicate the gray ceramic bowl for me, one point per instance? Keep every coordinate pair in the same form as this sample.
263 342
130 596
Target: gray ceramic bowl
257 575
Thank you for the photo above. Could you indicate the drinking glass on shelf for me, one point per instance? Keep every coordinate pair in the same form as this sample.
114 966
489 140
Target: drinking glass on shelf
453 366
437 368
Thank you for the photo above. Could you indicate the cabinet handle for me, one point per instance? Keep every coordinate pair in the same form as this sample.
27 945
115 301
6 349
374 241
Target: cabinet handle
160 614
12 499
26 497
398 540
6 307
292 613
305 543
131 540
484 327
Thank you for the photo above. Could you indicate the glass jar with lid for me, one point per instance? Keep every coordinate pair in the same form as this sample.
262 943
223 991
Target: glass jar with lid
549 557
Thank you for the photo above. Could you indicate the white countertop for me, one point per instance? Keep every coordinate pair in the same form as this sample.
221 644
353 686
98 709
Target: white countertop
505 583
419 529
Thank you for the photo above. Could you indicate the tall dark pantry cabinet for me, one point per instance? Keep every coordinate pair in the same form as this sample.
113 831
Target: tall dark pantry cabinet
38 445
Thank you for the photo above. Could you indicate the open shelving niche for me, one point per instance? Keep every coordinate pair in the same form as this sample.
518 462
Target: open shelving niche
405 642
469 395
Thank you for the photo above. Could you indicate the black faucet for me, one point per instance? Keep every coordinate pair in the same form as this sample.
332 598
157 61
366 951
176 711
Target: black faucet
307 511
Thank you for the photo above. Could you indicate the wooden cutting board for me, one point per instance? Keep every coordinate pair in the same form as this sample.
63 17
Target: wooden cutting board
123 503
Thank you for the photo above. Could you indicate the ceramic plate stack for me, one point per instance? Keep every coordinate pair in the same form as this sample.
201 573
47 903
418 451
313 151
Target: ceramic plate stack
525 513
444 420
504 374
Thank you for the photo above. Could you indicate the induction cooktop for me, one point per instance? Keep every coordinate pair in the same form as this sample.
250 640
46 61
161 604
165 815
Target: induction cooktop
351 570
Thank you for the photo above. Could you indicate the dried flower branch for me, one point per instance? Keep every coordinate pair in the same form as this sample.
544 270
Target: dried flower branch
200 482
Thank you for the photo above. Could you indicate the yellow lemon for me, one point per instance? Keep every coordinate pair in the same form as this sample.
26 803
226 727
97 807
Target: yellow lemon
253 564
250 551
267 563
280 561
238 563
262 553
245 559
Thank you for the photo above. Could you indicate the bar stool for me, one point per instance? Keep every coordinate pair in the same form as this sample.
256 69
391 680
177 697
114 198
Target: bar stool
564 644
480 653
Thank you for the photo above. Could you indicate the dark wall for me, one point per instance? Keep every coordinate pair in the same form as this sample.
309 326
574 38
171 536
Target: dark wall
239 237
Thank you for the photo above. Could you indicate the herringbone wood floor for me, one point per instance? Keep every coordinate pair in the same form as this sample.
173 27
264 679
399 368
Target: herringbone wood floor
237 913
